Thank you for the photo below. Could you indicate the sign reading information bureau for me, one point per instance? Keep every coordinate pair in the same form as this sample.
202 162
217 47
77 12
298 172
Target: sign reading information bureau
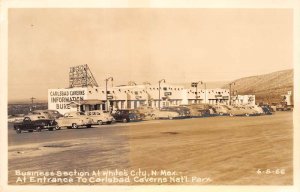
116 176
60 99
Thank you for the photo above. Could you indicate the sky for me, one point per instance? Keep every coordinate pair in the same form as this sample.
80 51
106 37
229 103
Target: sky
179 45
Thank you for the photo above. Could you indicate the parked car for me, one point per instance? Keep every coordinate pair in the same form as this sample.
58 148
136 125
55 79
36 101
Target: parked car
35 123
164 114
198 110
100 117
74 120
267 110
49 114
258 109
220 110
241 111
184 112
126 115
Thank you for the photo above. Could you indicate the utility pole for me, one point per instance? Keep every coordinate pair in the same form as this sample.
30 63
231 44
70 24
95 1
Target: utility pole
32 98
230 85
163 80
204 90
106 80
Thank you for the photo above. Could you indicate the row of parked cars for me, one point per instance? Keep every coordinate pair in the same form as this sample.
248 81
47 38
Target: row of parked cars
53 120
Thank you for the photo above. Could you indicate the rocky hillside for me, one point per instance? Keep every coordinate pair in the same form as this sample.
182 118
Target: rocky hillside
268 88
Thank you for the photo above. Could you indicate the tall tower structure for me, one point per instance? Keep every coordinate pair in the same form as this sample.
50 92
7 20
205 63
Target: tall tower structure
81 76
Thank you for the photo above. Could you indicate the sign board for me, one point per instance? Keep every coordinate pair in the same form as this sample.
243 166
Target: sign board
110 97
168 93
60 99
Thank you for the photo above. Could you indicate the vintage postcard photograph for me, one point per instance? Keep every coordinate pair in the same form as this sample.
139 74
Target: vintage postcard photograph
150 97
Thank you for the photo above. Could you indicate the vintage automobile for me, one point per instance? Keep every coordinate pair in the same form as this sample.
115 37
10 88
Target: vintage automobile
184 112
220 110
126 115
241 111
74 120
100 117
258 110
164 114
267 110
49 114
199 110
35 123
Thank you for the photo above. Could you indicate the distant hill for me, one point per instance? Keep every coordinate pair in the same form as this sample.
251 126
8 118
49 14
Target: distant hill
268 88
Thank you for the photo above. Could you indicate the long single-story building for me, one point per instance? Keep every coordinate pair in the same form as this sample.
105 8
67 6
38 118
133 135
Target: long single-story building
132 97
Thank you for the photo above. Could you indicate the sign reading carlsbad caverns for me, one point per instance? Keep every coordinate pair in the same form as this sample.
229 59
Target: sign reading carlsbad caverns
60 99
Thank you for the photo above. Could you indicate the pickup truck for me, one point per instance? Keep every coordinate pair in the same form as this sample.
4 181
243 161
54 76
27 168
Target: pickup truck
34 123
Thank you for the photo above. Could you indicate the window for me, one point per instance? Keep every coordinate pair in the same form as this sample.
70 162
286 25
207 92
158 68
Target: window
165 88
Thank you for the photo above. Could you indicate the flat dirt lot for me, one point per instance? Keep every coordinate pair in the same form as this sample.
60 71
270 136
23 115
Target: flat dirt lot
226 150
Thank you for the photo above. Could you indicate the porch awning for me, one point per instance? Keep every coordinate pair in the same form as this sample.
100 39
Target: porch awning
91 102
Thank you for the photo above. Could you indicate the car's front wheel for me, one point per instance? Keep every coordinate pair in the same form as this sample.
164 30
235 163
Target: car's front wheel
125 120
39 129
57 127
18 130
99 122
247 115
74 126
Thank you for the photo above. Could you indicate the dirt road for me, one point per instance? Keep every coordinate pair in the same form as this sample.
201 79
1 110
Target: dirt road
223 150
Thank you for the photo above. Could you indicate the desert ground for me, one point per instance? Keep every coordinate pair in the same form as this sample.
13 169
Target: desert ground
228 150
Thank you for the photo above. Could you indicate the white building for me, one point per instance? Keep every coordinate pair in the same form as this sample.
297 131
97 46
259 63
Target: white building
131 97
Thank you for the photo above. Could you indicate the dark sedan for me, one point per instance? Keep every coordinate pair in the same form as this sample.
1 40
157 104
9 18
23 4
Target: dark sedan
35 123
126 115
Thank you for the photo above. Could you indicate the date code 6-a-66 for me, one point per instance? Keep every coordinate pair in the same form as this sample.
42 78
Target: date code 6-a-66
270 171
